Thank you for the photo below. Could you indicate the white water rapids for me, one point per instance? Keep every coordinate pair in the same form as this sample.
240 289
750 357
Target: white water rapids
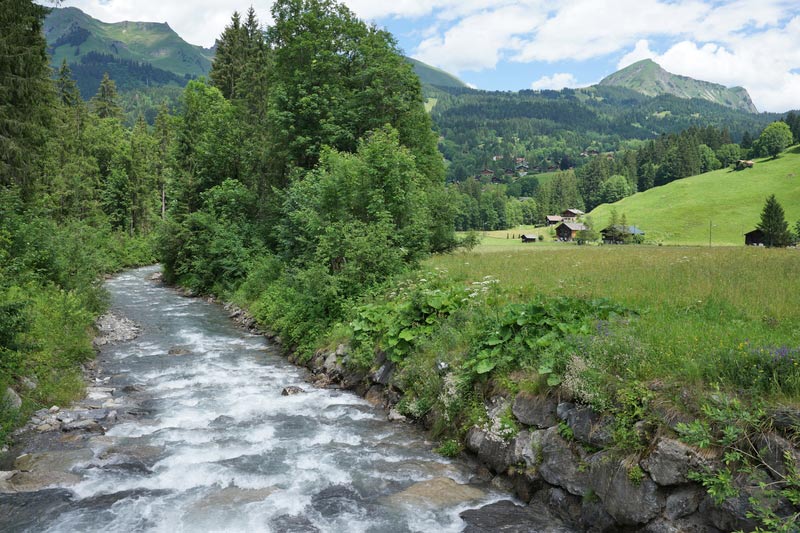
213 446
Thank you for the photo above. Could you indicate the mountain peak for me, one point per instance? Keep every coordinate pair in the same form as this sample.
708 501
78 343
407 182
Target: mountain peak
648 77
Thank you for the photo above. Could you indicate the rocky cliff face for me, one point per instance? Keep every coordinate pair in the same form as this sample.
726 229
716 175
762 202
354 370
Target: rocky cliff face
647 77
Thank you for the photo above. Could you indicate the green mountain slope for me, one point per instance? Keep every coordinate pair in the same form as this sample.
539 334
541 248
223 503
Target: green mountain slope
647 77
72 34
680 212
429 75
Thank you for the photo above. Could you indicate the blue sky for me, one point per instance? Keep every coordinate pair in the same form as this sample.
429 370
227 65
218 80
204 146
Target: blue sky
523 44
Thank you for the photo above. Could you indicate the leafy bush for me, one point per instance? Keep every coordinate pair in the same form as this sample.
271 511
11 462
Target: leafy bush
535 335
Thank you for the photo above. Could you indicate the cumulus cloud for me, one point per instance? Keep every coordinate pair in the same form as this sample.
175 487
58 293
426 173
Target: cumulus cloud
557 81
639 52
477 42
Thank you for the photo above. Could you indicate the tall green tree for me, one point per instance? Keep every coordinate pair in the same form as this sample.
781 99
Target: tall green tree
335 79
775 139
163 133
105 103
66 87
26 92
773 224
229 59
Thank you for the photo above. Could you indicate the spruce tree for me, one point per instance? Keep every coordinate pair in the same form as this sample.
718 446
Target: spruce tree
773 224
25 91
104 103
66 88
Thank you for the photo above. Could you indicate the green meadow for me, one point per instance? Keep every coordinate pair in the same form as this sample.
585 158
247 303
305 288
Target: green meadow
701 315
724 203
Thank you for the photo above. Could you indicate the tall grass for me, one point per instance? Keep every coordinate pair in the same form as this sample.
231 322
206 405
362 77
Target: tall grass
700 310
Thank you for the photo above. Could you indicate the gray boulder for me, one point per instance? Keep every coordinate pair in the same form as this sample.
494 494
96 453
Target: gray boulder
12 399
535 410
561 463
670 461
504 516
490 449
629 503
589 427
683 501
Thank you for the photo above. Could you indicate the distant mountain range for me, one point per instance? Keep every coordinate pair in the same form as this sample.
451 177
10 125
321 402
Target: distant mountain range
647 77
149 54
146 54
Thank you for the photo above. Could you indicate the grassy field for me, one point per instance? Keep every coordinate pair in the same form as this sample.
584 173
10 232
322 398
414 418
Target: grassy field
726 202
697 307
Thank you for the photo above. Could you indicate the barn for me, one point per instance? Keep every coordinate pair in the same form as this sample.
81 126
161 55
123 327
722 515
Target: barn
754 238
572 214
568 231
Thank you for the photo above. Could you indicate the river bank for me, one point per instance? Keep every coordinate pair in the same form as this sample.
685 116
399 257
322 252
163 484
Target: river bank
203 437
557 454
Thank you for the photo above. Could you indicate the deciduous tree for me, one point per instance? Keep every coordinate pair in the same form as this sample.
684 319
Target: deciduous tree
775 139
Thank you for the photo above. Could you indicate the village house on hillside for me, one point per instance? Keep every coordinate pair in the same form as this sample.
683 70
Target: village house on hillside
572 214
568 231
616 234
553 220
529 237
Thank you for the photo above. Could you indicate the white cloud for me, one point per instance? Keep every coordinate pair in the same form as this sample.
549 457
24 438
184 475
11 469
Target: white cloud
557 81
639 52
586 29
478 41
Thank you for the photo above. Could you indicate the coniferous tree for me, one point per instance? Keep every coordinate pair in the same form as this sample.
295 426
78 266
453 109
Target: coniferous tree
66 87
25 91
229 58
773 224
747 141
163 133
105 103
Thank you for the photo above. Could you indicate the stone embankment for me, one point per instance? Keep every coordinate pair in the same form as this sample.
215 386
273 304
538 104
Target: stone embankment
61 436
563 465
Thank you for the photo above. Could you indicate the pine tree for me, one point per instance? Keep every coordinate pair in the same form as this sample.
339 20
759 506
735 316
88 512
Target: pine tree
66 87
229 58
773 224
26 91
747 141
104 103
163 134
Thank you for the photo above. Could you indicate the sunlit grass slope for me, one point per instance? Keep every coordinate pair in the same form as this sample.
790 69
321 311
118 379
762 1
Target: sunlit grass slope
730 202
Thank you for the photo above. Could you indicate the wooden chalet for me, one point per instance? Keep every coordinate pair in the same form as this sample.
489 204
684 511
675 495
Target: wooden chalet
611 233
554 220
529 237
568 231
572 214
754 238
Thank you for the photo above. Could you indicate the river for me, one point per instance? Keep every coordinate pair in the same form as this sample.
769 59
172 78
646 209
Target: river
206 442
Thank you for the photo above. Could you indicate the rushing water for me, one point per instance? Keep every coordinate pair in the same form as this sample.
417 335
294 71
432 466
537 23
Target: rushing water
218 448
